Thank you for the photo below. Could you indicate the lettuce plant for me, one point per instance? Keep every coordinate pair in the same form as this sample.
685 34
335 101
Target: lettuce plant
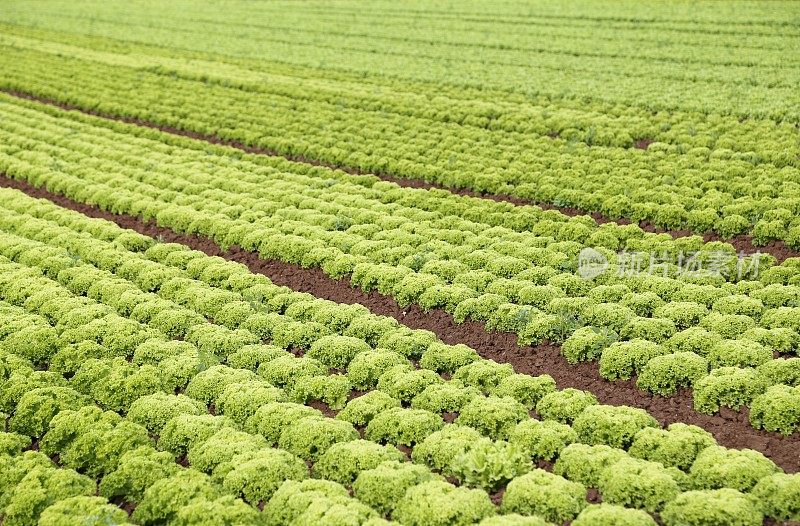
614 426
492 416
489 465
565 405
256 475
344 461
438 503
721 507
544 494
676 446
542 440
612 515
310 437
401 426
718 467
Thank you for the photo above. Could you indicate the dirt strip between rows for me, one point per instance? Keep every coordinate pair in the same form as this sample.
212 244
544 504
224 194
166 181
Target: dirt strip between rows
730 428
743 243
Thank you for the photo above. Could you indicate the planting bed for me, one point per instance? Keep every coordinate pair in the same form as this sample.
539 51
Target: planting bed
313 263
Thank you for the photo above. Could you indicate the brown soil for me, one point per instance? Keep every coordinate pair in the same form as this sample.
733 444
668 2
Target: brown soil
323 408
593 496
730 428
120 502
742 243
497 496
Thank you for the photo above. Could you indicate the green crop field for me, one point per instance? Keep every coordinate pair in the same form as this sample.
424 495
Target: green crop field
365 263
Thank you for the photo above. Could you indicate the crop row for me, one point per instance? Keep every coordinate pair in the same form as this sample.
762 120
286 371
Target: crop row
669 332
573 38
92 359
718 190
471 108
710 79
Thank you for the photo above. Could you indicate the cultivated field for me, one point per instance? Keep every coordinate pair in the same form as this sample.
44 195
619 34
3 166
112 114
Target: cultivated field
414 263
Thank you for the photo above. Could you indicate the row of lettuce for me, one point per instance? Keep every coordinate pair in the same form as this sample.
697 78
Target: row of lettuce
592 123
701 77
697 189
147 376
730 334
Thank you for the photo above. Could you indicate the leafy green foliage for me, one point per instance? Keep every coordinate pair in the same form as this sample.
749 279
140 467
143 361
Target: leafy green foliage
611 425
176 294
684 314
435 503
544 494
84 510
637 484
333 390
404 383
184 431
407 342
612 515
154 411
256 475
285 370
727 386
587 343
403 426
365 368
37 407
439 449
489 465
383 486
677 446
293 498
513 519
441 358
656 330
35 343
781 371
667 373
361 410
722 507
310 437
492 416
252 356
223 510
344 461
542 440
138 469
215 455
778 496
39 488
484 375
622 360
565 405
337 351
12 444
525 389
778 409
271 419
695 339
717 467
163 500
738 353
583 463
207 385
